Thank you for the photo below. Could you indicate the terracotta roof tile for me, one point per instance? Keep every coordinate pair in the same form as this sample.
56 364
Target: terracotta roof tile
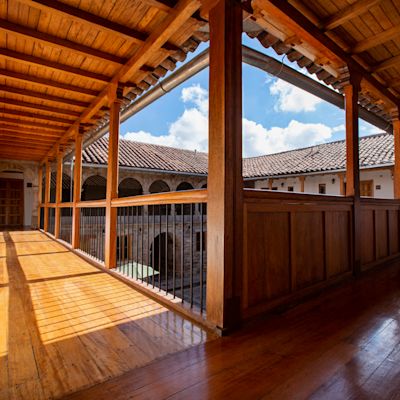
374 150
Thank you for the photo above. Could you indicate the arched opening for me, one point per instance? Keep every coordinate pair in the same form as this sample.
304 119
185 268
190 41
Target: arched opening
203 206
66 195
129 187
161 257
186 208
94 188
159 186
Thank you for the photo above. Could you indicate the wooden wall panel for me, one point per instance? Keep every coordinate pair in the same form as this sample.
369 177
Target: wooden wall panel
307 248
381 234
337 242
268 256
367 236
393 219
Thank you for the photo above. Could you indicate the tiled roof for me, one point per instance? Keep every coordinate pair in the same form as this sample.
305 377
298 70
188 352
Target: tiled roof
374 150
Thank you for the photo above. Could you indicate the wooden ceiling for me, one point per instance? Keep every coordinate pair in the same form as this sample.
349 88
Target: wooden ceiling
59 61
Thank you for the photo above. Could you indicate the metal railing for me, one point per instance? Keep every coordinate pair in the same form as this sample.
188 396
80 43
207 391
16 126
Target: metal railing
92 231
66 224
41 223
51 220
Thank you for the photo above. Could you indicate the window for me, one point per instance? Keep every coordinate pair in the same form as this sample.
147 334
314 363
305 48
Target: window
322 188
198 241
290 188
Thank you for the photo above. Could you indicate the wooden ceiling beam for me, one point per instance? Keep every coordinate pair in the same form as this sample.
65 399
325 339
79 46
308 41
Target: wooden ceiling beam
26 144
21 122
46 83
376 40
27 136
58 43
82 16
389 63
30 131
287 13
43 96
42 117
27 59
348 13
24 104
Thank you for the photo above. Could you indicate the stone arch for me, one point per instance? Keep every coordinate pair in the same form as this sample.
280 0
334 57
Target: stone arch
94 188
130 187
66 187
159 186
184 186
186 208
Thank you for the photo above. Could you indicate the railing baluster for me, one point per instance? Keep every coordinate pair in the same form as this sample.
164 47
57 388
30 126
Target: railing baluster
201 256
191 255
166 248
182 254
173 250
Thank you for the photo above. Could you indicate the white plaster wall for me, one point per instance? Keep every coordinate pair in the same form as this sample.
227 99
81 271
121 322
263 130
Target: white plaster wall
382 178
28 171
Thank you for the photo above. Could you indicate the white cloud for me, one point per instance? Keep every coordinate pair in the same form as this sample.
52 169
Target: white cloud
190 130
293 99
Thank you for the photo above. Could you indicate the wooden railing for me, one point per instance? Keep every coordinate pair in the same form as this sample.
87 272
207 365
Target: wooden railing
379 231
293 244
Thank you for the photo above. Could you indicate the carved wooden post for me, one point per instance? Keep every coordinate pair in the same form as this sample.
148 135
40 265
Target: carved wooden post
110 259
396 135
76 212
47 196
351 90
40 185
225 186
58 192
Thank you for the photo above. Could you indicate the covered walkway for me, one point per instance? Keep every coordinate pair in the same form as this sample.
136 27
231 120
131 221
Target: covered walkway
67 325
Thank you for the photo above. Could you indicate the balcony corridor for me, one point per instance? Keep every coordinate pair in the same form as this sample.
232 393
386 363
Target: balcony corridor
66 325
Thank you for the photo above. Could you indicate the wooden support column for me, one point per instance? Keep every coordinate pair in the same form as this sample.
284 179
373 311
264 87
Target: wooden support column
396 135
302 180
351 91
110 257
225 183
57 226
76 212
270 183
47 195
40 185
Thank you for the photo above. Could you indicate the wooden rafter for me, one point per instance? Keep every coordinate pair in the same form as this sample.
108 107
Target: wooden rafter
76 14
391 62
42 117
348 13
30 131
46 83
41 107
43 96
376 40
22 122
27 136
172 22
58 43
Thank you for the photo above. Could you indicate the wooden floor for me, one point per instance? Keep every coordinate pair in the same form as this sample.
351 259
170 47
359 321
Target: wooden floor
342 345
66 325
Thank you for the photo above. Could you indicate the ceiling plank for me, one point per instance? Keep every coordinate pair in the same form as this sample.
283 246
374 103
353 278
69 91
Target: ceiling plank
46 83
348 13
26 144
43 96
103 24
58 43
42 117
27 136
24 104
376 40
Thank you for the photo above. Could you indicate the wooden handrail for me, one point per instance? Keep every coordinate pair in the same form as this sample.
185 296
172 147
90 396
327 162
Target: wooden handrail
65 205
184 197
91 204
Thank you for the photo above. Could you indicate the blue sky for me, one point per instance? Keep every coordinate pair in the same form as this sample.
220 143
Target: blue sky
277 116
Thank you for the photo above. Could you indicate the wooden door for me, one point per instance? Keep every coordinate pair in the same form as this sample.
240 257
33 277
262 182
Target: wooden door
11 202
367 188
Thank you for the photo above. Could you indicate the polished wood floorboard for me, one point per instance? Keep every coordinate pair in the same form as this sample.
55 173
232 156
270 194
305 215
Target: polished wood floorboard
343 344
66 325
